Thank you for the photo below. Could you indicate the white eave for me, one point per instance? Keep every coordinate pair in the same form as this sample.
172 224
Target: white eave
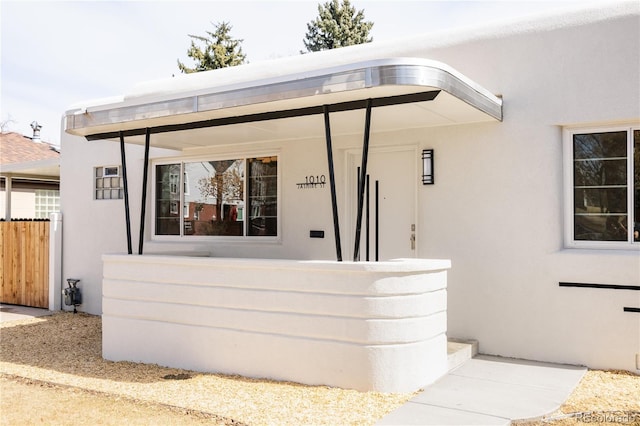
255 99
48 169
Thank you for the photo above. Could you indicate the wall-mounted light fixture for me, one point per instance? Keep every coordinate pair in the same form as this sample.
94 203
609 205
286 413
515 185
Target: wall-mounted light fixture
427 167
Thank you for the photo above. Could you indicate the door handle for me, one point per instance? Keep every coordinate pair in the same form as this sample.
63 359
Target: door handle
413 236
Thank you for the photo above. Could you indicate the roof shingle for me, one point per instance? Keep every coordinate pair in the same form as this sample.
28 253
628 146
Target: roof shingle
16 148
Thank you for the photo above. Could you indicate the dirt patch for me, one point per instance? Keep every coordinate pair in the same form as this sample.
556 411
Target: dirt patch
51 404
64 350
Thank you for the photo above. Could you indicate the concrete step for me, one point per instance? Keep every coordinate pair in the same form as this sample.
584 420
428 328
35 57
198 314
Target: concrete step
459 351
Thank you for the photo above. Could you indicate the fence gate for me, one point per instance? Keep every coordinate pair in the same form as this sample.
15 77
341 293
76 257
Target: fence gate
24 263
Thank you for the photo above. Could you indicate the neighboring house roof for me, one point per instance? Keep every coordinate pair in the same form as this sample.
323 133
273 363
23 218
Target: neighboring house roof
16 148
21 156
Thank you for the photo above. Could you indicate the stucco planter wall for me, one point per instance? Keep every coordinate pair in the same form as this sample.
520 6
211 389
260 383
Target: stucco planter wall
366 326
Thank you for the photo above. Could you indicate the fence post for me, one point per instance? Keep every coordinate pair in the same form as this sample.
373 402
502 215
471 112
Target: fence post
55 261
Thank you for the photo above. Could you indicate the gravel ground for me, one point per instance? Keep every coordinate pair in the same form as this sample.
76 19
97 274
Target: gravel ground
50 404
64 351
602 397
56 362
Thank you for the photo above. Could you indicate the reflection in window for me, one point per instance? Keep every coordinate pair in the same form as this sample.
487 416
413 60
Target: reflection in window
263 196
601 180
213 198
213 193
167 200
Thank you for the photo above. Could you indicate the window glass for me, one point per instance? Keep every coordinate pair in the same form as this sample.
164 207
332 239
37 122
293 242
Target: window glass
215 198
600 186
213 192
636 185
263 196
106 186
167 200
600 145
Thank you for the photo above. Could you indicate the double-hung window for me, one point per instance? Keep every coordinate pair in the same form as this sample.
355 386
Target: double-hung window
603 187
233 197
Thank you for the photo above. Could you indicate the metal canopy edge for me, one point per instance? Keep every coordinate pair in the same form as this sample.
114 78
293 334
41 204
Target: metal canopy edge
274 115
343 88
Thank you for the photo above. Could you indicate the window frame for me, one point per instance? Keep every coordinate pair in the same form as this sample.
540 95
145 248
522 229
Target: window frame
568 178
245 238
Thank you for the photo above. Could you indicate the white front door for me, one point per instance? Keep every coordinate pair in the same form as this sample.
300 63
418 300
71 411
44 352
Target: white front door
394 170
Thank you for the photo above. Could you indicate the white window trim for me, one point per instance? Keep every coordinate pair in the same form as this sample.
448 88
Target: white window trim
567 154
244 239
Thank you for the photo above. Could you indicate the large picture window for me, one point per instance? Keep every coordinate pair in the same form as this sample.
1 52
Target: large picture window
604 186
233 198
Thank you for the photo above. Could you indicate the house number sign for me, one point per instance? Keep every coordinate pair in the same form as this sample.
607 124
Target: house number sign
310 182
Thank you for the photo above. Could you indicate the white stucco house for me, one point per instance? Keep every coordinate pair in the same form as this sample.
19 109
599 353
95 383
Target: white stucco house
501 171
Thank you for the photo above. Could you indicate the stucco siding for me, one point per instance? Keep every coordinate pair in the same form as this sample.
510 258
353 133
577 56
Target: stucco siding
496 210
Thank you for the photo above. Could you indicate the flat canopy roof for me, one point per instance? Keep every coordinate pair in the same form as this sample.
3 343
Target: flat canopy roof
263 105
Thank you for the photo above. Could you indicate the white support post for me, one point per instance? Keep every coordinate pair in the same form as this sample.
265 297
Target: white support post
7 194
55 262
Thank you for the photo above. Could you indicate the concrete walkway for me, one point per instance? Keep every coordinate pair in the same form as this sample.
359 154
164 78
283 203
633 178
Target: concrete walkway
15 312
489 390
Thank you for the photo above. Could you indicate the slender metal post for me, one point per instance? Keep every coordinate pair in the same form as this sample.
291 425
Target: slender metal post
367 219
363 173
144 189
358 186
332 184
377 218
126 193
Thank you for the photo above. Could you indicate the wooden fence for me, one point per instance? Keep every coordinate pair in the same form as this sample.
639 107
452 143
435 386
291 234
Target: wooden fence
24 263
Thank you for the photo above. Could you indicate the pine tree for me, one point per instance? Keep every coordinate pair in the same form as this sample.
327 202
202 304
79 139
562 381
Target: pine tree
217 50
337 25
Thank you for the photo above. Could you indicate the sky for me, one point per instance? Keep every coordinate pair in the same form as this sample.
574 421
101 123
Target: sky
57 53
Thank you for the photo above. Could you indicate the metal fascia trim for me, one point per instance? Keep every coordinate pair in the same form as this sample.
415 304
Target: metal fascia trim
274 115
405 72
